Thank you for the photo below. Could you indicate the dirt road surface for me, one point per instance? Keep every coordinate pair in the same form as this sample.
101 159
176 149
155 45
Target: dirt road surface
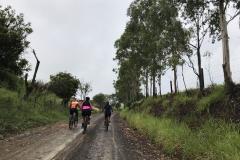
57 142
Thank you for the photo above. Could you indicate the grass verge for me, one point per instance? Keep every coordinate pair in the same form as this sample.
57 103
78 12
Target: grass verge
214 140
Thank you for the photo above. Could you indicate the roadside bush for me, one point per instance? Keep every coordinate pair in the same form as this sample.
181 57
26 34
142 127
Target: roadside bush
17 115
216 96
182 105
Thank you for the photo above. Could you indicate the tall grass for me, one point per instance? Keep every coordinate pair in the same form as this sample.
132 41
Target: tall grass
214 140
217 95
17 115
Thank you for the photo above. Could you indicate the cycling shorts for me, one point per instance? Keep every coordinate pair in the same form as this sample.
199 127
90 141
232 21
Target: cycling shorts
86 112
73 110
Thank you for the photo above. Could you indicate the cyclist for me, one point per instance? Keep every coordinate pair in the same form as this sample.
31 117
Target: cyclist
73 105
107 111
86 109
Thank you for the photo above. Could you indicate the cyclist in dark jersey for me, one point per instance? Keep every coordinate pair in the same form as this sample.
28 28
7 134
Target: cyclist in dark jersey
108 111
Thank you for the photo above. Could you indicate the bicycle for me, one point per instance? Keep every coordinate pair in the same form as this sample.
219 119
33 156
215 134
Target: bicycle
73 121
85 123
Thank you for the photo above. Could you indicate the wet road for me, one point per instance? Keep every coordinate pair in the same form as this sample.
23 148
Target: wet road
100 144
118 143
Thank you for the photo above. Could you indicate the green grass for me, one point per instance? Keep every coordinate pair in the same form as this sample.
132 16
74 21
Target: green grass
17 115
214 140
217 95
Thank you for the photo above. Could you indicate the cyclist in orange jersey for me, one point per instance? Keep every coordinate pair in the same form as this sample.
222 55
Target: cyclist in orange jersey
73 105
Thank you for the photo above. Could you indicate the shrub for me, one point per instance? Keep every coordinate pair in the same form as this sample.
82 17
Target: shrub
17 115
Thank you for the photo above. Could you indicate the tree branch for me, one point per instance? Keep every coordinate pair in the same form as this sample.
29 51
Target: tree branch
191 65
193 45
233 17
225 7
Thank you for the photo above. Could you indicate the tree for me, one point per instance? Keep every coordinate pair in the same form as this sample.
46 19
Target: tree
13 41
222 6
127 85
196 16
153 39
64 85
112 98
84 89
217 24
100 99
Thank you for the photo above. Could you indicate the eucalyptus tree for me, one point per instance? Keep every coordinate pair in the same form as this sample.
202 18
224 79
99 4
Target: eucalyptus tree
152 16
128 84
213 13
195 14
221 11
177 39
153 39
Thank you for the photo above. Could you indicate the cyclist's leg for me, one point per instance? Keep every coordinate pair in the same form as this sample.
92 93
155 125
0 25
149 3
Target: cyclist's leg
105 118
70 118
76 115
109 117
89 116
83 118
70 113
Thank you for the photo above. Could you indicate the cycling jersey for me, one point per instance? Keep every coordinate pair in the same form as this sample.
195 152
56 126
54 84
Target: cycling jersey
86 106
108 109
74 104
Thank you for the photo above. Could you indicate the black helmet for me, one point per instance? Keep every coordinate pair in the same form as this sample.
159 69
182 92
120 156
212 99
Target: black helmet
87 98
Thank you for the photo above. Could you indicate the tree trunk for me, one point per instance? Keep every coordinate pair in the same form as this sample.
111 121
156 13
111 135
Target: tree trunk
151 86
147 94
159 84
171 87
154 84
175 78
225 46
200 73
184 80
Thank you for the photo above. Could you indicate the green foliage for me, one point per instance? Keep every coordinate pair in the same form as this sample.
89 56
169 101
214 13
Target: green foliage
214 140
128 84
182 105
17 115
13 41
217 96
64 85
154 39
100 99
10 80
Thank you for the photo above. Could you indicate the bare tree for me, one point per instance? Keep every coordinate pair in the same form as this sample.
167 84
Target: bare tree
84 89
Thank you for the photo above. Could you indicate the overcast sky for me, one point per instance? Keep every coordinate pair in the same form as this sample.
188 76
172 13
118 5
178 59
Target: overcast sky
78 36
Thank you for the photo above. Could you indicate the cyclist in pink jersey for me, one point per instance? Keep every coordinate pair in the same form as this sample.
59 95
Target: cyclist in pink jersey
86 108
